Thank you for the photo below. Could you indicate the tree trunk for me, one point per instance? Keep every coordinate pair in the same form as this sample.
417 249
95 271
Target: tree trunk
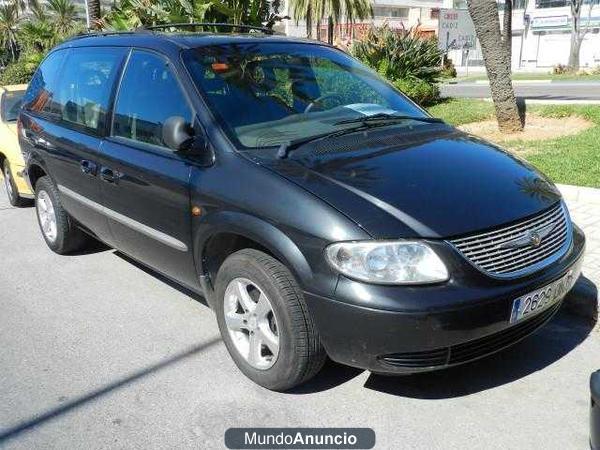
93 11
330 30
576 37
309 22
507 28
484 14
574 51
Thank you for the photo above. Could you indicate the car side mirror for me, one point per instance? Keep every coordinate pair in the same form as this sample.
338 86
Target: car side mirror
177 133
180 136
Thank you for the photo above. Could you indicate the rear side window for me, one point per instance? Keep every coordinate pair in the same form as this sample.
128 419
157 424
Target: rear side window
83 94
42 87
148 96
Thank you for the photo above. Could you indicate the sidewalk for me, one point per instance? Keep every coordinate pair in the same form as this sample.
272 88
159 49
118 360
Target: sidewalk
584 206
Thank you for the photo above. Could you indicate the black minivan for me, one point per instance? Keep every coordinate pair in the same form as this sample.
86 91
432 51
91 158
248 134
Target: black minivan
319 211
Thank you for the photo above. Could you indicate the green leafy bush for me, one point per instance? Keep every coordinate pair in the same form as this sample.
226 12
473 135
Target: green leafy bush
448 69
17 73
399 54
420 91
410 61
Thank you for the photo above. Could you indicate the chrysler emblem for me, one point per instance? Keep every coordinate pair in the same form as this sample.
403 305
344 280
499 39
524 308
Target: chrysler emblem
535 239
532 238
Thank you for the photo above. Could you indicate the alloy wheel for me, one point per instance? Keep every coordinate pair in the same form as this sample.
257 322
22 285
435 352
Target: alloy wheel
251 323
47 216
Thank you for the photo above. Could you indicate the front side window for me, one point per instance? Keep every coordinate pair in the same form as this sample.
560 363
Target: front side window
149 95
264 95
83 95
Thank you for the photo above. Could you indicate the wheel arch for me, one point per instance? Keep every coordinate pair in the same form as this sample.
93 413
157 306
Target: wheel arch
232 231
35 171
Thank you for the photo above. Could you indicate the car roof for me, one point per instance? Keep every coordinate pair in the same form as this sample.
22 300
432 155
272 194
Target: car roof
156 39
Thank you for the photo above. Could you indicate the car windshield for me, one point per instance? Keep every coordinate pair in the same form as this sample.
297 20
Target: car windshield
11 104
270 94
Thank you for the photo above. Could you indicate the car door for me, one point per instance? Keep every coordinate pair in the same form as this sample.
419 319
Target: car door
145 184
68 124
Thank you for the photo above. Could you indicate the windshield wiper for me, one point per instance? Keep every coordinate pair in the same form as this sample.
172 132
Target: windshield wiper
388 118
363 123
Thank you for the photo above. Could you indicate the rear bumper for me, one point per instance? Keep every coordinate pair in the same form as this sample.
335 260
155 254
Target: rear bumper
409 339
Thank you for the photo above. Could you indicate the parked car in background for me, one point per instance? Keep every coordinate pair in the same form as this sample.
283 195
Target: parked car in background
11 159
318 210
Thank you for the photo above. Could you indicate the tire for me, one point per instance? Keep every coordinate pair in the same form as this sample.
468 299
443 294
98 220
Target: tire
300 355
65 237
11 188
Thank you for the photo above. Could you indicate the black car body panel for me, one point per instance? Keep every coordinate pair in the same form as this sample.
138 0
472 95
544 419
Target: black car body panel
405 181
384 185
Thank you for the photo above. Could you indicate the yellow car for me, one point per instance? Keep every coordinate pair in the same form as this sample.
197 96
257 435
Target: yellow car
11 159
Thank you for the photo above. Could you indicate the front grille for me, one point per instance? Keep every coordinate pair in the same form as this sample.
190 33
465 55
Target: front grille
509 251
471 350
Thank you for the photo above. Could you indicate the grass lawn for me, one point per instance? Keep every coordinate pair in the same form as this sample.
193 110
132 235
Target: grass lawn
570 160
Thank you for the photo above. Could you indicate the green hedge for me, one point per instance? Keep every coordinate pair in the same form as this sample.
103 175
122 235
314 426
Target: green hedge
16 73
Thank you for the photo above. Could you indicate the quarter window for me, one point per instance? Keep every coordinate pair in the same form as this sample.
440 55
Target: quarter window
148 96
42 87
85 86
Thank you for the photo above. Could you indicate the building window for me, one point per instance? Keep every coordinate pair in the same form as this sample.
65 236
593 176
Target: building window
550 3
396 13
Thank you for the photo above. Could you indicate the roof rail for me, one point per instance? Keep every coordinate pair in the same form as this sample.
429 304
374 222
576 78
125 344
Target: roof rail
101 33
209 24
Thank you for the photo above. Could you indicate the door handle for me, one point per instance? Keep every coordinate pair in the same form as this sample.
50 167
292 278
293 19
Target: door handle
88 167
109 175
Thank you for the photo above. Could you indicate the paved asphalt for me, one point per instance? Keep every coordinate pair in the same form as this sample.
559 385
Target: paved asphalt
562 91
96 352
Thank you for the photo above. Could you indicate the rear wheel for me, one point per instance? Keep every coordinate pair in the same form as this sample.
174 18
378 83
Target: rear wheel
57 227
264 321
11 188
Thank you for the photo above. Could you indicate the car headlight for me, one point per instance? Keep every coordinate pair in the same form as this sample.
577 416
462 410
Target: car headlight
387 262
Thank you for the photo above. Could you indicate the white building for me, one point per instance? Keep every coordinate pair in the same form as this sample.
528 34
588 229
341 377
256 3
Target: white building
397 13
541 30
541 36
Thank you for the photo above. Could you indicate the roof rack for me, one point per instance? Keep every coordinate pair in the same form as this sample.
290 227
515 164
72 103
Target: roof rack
101 33
209 24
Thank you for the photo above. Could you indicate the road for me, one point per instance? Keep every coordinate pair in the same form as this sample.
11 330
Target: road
97 352
556 91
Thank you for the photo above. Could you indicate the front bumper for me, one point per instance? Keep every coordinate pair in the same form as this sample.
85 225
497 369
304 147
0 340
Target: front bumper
403 329
21 181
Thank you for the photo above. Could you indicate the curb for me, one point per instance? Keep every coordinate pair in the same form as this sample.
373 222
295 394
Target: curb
582 301
544 81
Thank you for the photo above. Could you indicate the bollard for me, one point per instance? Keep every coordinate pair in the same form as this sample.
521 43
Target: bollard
595 411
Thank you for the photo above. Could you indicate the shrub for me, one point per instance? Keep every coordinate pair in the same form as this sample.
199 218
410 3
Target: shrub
399 54
561 69
419 91
17 73
448 69
410 61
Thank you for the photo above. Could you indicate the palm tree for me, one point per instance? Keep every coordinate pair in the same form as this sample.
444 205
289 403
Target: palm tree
484 14
314 11
9 19
93 13
63 13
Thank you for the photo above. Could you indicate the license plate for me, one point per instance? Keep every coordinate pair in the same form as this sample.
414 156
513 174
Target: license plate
536 301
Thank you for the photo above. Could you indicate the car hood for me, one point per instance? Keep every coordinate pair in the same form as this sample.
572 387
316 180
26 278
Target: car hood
429 181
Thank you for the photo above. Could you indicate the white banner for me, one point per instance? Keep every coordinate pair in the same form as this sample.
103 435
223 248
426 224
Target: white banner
456 30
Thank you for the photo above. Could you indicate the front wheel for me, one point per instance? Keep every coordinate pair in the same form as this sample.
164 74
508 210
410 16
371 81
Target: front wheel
265 323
